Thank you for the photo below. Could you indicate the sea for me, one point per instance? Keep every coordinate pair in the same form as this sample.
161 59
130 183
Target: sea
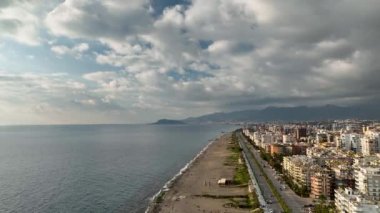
94 168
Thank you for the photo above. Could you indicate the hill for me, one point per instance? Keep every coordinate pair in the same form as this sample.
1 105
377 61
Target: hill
168 122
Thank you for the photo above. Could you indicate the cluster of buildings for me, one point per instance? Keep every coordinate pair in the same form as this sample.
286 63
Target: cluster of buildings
337 160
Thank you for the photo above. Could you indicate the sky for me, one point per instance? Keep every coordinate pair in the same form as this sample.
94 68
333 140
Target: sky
135 61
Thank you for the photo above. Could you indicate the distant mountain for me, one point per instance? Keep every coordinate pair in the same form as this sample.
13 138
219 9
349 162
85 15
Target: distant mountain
168 122
300 113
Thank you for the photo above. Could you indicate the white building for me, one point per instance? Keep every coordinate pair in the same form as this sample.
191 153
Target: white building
349 201
287 138
367 181
249 134
351 141
370 145
267 138
256 138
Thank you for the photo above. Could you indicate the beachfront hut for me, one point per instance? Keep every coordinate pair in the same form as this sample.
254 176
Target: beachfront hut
224 181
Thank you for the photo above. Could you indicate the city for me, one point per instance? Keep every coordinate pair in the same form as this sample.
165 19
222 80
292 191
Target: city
190 106
332 165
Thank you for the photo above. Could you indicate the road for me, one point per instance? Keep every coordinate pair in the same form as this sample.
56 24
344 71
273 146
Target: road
264 187
295 202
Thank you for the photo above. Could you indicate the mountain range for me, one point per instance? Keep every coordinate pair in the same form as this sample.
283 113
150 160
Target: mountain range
300 113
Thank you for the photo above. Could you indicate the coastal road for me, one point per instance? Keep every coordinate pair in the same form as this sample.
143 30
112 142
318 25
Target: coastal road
295 202
265 189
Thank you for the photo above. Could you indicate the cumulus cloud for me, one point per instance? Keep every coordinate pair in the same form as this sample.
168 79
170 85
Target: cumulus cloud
19 21
219 54
76 51
258 51
99 19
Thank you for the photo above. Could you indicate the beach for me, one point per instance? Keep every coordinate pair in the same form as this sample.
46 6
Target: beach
197 189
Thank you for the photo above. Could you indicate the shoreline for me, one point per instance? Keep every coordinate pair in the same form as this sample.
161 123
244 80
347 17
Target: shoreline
197 187
168 185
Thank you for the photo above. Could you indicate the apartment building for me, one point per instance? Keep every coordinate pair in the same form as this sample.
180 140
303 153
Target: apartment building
322 184
367 181
349 201
299 168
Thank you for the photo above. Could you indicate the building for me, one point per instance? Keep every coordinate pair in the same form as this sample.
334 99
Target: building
370 145
266 139
299 149
301 133
299 169
350 142
278 149
350 201
322 184
321 137
344 176
367 181
287 138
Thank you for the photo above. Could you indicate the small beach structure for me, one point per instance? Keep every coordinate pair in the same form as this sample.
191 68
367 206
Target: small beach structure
224 181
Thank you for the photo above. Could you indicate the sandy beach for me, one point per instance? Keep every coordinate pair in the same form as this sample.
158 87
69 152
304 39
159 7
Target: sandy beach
197 189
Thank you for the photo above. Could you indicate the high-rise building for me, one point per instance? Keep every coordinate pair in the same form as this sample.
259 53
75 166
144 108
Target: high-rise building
301 132
322 184
351 141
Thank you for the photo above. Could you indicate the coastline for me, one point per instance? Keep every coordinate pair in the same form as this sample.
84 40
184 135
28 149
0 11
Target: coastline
196 187
167 186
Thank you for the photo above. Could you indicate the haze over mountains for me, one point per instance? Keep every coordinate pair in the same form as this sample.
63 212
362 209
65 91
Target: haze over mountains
300 113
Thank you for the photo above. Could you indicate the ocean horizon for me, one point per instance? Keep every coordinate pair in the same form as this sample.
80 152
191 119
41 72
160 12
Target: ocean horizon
93 168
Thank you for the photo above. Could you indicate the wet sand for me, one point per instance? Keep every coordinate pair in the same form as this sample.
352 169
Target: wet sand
187 194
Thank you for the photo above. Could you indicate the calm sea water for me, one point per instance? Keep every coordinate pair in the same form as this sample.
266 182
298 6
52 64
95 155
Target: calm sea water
95 168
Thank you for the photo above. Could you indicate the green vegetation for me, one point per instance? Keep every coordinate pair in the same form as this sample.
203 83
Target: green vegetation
241 177
221 196
302 191
275 161
253 200
160 197
278 196
237 201
323 206
241 174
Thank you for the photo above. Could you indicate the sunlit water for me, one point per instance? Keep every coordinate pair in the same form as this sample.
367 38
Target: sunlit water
94 168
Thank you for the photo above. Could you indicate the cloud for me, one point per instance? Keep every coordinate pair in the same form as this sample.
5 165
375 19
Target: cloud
114 19
257 51
21 28
109 81
53 98
76 51
214 55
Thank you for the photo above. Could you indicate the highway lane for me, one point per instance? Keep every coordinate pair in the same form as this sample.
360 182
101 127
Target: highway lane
295 202
272 203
